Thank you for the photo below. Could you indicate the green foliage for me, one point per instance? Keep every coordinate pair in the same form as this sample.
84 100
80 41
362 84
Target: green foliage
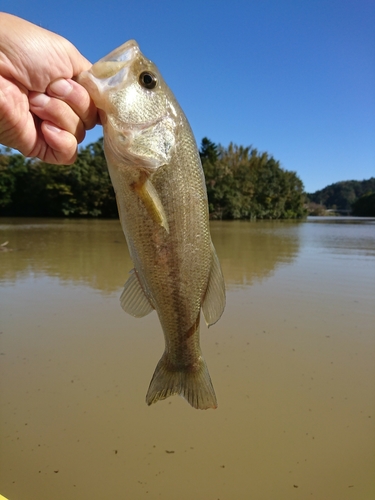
34 188
11 166
243 184
342 195
315 209
365 205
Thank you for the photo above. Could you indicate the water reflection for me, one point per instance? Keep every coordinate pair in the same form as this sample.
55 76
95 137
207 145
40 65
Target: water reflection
341 235
251 251
78 251
83 251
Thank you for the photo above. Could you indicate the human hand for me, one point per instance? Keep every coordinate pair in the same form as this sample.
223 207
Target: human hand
43 112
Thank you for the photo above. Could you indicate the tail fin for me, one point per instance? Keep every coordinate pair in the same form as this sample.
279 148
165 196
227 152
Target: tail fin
195 386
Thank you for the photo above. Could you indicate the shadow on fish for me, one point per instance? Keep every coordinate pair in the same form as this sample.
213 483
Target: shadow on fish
155 169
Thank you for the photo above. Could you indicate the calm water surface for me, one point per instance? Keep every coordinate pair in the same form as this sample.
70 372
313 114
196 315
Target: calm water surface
292 362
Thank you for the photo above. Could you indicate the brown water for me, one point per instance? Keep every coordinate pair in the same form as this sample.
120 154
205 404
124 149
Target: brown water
292 362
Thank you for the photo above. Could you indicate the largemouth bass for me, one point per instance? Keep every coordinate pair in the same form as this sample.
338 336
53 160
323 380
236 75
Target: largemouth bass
158 179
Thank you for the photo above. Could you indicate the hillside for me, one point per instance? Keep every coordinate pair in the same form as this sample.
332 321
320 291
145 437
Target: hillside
342 195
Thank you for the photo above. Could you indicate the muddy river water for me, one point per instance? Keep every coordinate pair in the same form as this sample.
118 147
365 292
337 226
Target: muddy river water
292 362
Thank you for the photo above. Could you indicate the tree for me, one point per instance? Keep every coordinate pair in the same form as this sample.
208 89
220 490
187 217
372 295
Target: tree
343 194
34 188
243 184
12 167
90 185
365 205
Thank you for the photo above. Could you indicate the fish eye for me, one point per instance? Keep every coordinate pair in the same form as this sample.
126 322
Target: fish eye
148 80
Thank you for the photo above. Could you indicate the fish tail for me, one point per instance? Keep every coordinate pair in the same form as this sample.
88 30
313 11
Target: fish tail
193 385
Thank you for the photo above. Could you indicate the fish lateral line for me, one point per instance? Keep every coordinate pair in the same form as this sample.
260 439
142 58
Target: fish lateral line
193 329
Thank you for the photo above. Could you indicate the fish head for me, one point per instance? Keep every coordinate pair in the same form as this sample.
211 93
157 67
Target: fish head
138 111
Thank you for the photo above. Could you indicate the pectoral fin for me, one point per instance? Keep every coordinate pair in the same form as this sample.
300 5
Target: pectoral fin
150 198
133 299
214 301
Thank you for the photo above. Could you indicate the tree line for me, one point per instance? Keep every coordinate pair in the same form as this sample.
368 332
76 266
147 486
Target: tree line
241 184
30 187
245 184
357 196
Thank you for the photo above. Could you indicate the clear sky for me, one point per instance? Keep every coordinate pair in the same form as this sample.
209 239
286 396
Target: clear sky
294 78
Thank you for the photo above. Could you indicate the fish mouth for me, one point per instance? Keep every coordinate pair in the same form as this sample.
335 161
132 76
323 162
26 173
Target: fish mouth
109 71
124 53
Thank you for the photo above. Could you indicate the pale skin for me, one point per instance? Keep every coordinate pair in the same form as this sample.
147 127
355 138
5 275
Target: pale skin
44 113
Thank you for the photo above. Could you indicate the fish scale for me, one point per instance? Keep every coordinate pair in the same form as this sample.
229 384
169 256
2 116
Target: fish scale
155 169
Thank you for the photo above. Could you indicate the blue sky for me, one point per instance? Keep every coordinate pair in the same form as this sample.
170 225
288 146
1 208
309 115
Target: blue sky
294 78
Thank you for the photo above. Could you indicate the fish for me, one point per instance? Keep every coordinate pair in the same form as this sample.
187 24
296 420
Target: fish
155 168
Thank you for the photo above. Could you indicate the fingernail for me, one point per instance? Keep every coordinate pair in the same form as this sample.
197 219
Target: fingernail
52 128
61 88
37 99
